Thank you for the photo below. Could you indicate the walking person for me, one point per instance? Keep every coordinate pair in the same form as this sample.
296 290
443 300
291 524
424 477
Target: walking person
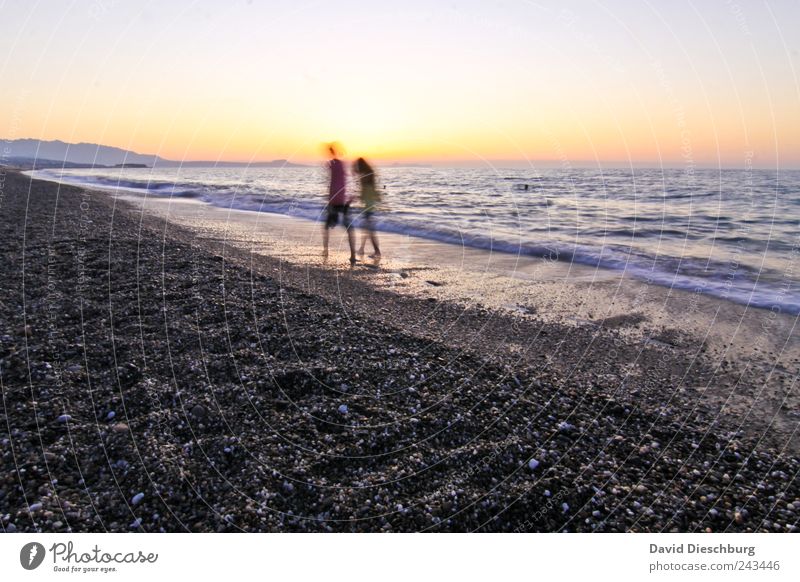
370 198
338 204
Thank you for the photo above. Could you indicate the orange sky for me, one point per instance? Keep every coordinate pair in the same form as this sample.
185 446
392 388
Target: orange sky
621 83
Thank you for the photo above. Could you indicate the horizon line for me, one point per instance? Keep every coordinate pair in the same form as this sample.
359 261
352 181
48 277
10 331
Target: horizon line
517 163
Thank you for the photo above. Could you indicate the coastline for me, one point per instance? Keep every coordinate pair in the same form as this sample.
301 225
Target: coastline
226 349
754 353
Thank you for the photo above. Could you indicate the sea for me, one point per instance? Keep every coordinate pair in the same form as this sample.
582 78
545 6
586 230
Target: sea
731 234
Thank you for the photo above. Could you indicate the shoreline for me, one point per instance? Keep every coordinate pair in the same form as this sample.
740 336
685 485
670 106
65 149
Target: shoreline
517 254
553 291
749 349
447 388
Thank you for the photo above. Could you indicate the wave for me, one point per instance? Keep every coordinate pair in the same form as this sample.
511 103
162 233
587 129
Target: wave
745 285
742 285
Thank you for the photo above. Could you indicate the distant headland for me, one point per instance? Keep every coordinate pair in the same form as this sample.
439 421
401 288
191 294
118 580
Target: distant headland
39 154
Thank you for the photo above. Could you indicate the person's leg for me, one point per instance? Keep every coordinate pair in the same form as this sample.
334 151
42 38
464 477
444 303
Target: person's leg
374 236
370 225
363 244
330 221
351 235
365 234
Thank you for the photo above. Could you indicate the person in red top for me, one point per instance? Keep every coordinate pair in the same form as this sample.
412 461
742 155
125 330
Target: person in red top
338 204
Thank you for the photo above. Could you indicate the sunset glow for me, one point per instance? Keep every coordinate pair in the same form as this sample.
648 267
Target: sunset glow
619 82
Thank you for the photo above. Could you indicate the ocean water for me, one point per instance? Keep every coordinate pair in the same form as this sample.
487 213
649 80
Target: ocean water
733 234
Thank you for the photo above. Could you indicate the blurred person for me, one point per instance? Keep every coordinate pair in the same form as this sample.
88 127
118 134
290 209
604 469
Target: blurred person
370 198
338 203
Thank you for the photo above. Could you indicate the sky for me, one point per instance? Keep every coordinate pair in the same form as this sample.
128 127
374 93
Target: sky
683 83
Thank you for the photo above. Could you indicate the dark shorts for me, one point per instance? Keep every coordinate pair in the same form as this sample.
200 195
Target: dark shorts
333 215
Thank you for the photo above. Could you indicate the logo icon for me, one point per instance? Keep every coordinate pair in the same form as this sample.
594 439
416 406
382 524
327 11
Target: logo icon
31 555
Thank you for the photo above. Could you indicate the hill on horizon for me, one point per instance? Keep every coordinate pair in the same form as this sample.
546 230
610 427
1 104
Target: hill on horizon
92 154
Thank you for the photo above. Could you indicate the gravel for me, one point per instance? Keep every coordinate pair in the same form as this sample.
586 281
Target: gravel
229 414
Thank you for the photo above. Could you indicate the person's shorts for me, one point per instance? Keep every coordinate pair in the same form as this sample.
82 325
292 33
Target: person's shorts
370 207
333 215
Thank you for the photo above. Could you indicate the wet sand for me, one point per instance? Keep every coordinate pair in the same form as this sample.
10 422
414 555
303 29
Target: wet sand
211 373
755 353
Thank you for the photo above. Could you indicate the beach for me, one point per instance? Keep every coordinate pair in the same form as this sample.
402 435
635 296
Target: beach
170 366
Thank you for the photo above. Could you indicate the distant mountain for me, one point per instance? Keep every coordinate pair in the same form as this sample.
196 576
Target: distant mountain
24 163
206 164
92 154
409 165
77 153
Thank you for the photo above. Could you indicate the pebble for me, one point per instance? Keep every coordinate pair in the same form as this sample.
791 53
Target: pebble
329 493
64 418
